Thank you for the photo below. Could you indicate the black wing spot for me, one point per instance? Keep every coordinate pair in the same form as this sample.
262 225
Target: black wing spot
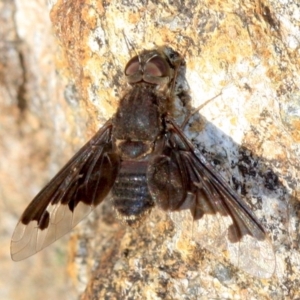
43 222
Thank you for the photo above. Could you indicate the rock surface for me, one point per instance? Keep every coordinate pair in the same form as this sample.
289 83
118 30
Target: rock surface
248 50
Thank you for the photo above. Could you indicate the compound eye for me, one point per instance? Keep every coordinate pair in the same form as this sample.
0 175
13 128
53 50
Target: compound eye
156 67
133 66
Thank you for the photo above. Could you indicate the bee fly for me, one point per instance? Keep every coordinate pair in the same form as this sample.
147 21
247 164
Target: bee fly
142 159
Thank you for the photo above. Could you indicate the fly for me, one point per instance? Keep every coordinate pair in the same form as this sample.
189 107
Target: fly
142 160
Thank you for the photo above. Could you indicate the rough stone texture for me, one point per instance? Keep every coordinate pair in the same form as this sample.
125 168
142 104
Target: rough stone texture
35 140
249 50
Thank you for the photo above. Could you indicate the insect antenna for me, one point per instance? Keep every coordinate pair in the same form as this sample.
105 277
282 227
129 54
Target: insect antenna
130 45
195 110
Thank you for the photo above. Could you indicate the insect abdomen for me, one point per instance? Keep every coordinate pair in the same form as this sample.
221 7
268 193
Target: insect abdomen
131 197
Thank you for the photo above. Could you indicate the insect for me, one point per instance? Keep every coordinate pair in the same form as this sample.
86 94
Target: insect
141 159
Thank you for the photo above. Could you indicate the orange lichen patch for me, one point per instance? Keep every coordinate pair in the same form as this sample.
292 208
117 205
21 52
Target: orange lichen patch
99 7
134 18
239 45
295 132
227 46
186 247
78 31
89 17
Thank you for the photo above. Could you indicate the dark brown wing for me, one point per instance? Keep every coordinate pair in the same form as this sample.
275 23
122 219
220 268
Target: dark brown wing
182 181
73 193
